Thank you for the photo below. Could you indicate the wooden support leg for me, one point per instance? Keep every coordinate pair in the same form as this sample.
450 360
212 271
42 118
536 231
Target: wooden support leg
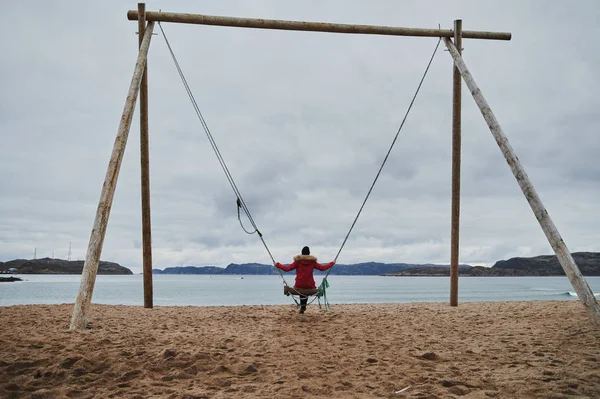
145 168
456 147
92 258
579 283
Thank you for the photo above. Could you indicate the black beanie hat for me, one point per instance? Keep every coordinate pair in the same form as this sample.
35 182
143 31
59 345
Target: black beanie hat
305 251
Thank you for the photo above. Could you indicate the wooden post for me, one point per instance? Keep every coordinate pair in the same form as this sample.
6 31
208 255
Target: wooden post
92 258
579 283
255 23
145 167
456 146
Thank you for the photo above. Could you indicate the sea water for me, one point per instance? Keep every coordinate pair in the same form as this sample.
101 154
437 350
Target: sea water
220 290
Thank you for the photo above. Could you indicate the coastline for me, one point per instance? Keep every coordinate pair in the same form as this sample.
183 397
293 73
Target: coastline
478 350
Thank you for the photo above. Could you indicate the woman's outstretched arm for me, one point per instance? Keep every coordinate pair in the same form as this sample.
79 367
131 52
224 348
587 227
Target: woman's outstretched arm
284 267
321 267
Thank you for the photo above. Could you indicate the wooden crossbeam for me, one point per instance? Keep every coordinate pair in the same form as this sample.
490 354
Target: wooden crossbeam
200 19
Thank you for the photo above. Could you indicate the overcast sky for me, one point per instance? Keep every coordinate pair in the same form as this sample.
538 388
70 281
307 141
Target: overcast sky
303 121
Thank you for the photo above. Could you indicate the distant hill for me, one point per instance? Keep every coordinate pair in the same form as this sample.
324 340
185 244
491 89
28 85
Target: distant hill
544 265
59 266
360 269
548 265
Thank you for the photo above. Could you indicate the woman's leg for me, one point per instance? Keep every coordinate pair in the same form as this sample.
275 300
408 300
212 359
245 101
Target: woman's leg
303 301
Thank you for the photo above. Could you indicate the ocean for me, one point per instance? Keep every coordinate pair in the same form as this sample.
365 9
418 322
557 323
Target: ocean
230 290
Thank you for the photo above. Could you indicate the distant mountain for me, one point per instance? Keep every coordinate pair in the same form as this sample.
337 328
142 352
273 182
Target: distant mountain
544 265
548 265
360 269
59 266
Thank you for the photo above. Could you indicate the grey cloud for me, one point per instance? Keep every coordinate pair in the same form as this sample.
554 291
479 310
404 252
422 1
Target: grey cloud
303 120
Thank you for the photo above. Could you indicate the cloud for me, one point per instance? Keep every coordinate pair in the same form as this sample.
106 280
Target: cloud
303 121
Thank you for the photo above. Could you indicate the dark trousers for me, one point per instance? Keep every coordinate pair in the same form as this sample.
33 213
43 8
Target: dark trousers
303 301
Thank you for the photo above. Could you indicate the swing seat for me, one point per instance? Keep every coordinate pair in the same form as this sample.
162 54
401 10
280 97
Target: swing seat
287 290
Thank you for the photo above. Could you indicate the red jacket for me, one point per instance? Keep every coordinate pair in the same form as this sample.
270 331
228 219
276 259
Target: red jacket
304 265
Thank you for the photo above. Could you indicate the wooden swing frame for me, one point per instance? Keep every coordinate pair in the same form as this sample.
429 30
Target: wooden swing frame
139 84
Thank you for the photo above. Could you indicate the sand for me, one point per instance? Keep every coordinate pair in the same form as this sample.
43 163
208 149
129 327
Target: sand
478 350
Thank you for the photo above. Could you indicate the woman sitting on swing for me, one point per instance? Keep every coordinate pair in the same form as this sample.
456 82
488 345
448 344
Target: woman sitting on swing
304 265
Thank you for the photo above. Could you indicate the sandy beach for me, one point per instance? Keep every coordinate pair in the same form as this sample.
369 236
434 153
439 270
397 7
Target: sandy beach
478 350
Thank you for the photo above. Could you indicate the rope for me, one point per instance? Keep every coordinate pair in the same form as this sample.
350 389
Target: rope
239 205
387 155
324 282
239 199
